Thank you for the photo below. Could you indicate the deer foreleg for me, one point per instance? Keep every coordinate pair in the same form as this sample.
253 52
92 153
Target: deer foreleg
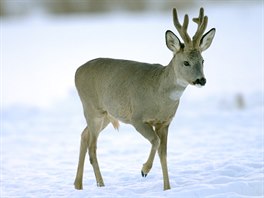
163 134
148 165
147 131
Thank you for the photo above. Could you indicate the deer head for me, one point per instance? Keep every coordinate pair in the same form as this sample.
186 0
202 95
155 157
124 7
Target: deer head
187 60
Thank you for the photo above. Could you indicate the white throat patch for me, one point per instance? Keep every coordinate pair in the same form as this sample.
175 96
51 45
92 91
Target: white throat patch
175 94
198 85
181 82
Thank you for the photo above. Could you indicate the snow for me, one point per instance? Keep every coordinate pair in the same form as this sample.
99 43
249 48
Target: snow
215 146
217 152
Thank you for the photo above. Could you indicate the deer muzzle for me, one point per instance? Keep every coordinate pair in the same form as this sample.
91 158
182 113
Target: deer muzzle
200 81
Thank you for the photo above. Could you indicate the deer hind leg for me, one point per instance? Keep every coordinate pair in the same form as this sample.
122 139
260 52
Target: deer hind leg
89 141
83 150
147 131
96 126
163 134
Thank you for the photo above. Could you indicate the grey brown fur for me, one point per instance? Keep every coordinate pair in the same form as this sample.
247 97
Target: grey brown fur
141 94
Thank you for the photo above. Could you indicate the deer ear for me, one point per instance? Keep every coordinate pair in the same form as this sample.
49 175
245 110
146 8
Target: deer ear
207 39
172 41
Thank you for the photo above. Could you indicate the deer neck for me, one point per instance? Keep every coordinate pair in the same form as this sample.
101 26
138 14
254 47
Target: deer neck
172 86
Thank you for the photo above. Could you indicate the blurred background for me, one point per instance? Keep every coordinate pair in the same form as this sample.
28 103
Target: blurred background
16 8
43 43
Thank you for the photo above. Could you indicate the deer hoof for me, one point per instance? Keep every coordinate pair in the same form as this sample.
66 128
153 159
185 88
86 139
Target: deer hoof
78 186
100 184
143 174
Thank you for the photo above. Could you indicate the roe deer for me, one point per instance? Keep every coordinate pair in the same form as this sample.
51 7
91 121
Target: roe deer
141 94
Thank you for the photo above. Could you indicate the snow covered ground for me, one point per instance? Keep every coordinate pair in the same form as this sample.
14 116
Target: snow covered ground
215 146
215 152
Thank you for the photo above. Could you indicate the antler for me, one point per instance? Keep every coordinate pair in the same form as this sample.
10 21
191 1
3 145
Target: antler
202 23
182 29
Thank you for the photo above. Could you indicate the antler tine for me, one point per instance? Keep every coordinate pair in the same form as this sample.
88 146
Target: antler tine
202 24
182 29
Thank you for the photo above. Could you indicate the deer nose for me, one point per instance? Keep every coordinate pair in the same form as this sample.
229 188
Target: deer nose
200 81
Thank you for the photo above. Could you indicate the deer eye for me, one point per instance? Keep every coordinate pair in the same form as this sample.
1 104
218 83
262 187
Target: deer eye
186 63
203 61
